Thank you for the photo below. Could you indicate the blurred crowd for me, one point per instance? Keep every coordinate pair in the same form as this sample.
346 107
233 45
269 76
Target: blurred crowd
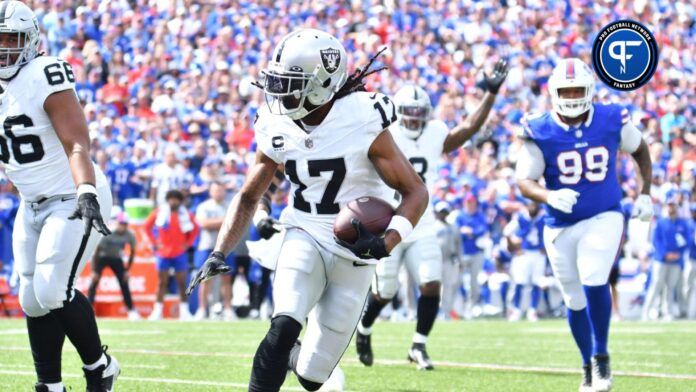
168 95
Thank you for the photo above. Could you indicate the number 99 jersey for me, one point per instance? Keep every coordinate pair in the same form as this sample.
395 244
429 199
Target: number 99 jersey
30 149
328 166
583 158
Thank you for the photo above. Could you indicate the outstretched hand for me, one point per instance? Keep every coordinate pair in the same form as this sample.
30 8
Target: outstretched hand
493 81
213 266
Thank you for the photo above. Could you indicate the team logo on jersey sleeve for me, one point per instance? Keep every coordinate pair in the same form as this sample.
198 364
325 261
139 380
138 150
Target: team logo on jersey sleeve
330 58
625 55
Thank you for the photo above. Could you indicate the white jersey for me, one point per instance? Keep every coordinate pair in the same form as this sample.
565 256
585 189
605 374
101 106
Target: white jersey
329 166
34 158
423 153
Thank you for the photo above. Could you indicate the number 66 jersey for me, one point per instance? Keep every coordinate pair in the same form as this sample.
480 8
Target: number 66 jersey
581 158
30 149
327 165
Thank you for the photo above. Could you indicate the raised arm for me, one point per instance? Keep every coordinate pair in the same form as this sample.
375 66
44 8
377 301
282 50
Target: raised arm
468 128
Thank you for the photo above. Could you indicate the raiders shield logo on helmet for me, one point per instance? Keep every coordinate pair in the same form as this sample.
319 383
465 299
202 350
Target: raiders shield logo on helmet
330 58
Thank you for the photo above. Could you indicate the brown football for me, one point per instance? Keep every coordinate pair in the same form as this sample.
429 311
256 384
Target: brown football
372 212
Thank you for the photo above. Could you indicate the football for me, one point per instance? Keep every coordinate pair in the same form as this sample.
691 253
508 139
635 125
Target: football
372 212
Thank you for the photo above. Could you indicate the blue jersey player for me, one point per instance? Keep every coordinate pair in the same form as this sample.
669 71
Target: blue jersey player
574 148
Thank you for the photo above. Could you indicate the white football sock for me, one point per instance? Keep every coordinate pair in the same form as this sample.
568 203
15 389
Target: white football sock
418 338
100 361
364 330
55 387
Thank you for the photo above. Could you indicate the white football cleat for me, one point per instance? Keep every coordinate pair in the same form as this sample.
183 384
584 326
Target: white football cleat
200 314
156 312
515 315
336 381
133 315
601 373
229 315
184 314
532 315
586 383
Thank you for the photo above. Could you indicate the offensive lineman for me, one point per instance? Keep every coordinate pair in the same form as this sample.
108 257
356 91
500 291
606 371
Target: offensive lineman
44 145
327 132
574 148
423 140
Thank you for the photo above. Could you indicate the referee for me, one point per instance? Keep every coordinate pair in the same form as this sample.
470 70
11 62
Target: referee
108 254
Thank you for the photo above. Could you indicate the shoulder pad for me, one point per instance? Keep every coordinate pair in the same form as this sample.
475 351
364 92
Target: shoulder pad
379 108
530 123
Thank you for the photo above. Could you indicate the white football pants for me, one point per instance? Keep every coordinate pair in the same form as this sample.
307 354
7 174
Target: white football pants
582 254
423 261
311 281
51 251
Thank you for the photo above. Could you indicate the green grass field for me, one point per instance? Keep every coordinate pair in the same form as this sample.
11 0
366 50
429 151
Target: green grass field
470 356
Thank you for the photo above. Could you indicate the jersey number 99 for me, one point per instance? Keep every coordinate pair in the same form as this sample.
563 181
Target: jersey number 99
572 166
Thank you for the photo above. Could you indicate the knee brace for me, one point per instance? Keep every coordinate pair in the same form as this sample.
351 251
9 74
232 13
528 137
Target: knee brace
284 332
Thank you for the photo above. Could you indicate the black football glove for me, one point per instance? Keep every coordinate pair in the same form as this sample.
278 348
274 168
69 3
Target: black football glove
87 209
493 82
266 227
367 246
213 266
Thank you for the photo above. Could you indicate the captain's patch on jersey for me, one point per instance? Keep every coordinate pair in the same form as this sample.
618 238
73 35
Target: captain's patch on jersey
625 55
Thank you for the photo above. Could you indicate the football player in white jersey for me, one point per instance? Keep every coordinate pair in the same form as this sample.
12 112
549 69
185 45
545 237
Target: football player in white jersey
423 140
44 146
328 133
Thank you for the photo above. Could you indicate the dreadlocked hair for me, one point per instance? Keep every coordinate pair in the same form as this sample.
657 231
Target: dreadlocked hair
355 81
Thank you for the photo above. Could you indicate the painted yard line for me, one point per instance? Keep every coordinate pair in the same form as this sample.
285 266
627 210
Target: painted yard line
155 380
534 369
391 362
128 365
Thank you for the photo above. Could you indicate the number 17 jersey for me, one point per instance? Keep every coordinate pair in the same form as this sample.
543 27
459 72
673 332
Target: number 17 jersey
30 149
329 166
581 158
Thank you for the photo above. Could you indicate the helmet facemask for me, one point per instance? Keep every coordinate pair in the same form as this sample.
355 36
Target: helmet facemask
14 57
413 119
571 107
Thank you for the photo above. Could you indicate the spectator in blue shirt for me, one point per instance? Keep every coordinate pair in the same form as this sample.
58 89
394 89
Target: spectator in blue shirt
670 241
690 272
9 204
472 227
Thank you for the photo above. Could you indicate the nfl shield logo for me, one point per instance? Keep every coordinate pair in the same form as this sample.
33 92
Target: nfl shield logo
308 142
330 58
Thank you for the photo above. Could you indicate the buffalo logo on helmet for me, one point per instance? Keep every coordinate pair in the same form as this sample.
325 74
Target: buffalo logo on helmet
330 58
